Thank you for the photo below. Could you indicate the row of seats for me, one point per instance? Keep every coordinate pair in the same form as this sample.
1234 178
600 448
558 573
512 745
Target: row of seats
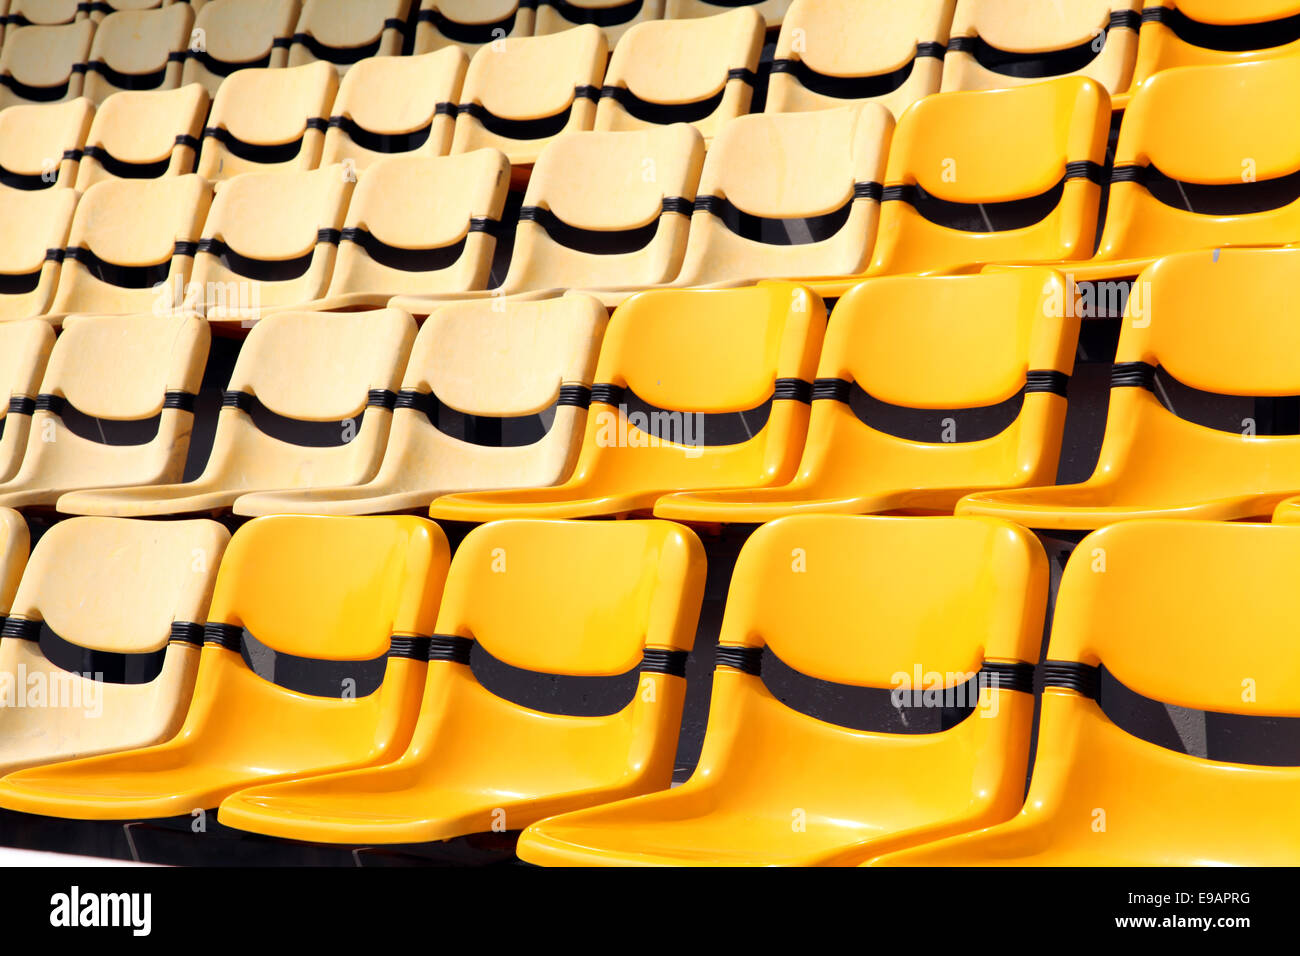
127 663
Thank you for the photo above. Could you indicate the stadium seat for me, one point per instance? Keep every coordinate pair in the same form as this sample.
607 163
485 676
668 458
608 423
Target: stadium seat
321 420
235 35
1168 622
480 763
31 247
479 375
470 24
102 644
357 596
344 32
44 12
673 363
15 543
614 17
39 64
834 52
700 72
789 194
266 119
395 105
1211 321
521 94
773 11
958 602
24 353
40 144
270 240
115 407
138 50
927 389
132 247
1000 43
144 135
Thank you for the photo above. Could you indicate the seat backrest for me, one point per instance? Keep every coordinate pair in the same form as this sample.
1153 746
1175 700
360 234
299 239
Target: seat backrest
138 50
1207 33
520 94
395 106
994 176
607 209
614 17
31 247
40 144
15 543
263 119
789 194
344 32
423 224
470 24
38 64
132 245
231 35
683 71
44 12
835 52
24 353
106 627
774 11
144 135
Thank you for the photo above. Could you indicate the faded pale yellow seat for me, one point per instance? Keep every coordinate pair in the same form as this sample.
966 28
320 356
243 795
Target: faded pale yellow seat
470 24
265 119
24 353
231 35
38 64
834 52
774 12
614 17
40 144
106 626
115 409
132 246
475 367
309 404
789 194
65 11
395 105
36 225
682 71
138 50
270 240
344 32
15 545
1001 43
520 94
144 135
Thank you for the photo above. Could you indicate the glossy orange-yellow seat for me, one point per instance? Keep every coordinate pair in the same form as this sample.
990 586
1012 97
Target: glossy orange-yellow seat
916 605
480 763
1166 619
928 349
336 589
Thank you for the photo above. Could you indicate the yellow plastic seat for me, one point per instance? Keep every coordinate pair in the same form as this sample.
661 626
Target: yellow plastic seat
476 371
773 11
15 544
361 590
1167 621
683 71
232 35
24 353
138 50
101 647
115 407
1001 43
1213 321
38 64
479 763
836 52
31 247
521 94
669 359
344 32
270 240
395 106
66 11
131 248
144 135
40 144
930 349
470 24
268 119
917 606
789 194
614 17
320 420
